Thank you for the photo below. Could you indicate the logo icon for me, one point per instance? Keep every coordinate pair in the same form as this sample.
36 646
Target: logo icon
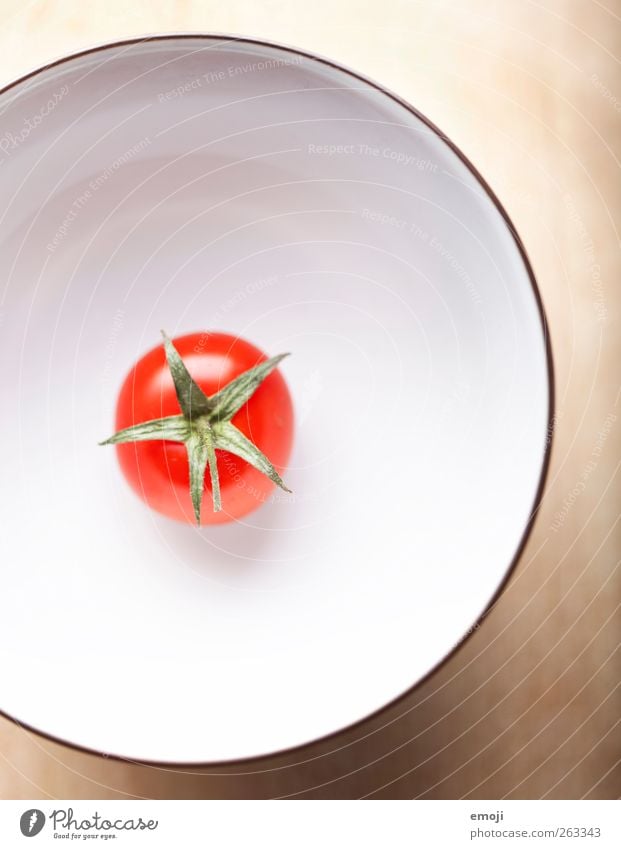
31 822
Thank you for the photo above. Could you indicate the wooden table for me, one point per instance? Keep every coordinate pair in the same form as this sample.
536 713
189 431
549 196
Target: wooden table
531 92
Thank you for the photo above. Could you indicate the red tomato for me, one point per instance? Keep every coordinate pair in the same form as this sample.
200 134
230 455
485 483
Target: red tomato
158 470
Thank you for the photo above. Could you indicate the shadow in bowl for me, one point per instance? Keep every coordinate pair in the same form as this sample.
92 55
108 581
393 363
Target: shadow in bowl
222 550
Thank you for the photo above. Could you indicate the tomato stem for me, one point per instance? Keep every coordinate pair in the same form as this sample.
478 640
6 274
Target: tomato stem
205 425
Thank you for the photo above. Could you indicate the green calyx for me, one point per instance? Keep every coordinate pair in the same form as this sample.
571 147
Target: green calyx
205 425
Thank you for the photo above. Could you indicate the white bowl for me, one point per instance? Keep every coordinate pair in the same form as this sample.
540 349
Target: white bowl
202 182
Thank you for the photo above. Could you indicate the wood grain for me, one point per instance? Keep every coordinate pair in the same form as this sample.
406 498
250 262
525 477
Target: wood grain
529 706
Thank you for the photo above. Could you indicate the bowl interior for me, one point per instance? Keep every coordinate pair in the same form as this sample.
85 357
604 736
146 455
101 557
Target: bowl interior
197 184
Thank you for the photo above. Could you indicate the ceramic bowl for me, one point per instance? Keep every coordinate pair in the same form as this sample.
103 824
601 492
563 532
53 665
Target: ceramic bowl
201 182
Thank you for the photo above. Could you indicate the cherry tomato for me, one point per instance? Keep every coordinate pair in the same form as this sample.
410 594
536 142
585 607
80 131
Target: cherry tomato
158 470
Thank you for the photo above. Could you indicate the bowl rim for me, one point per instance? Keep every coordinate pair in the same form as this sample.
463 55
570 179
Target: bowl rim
187 35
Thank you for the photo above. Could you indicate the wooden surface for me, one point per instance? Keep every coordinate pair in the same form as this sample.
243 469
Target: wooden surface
531 92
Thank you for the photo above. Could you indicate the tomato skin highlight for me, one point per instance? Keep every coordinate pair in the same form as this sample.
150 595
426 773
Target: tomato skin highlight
158 470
